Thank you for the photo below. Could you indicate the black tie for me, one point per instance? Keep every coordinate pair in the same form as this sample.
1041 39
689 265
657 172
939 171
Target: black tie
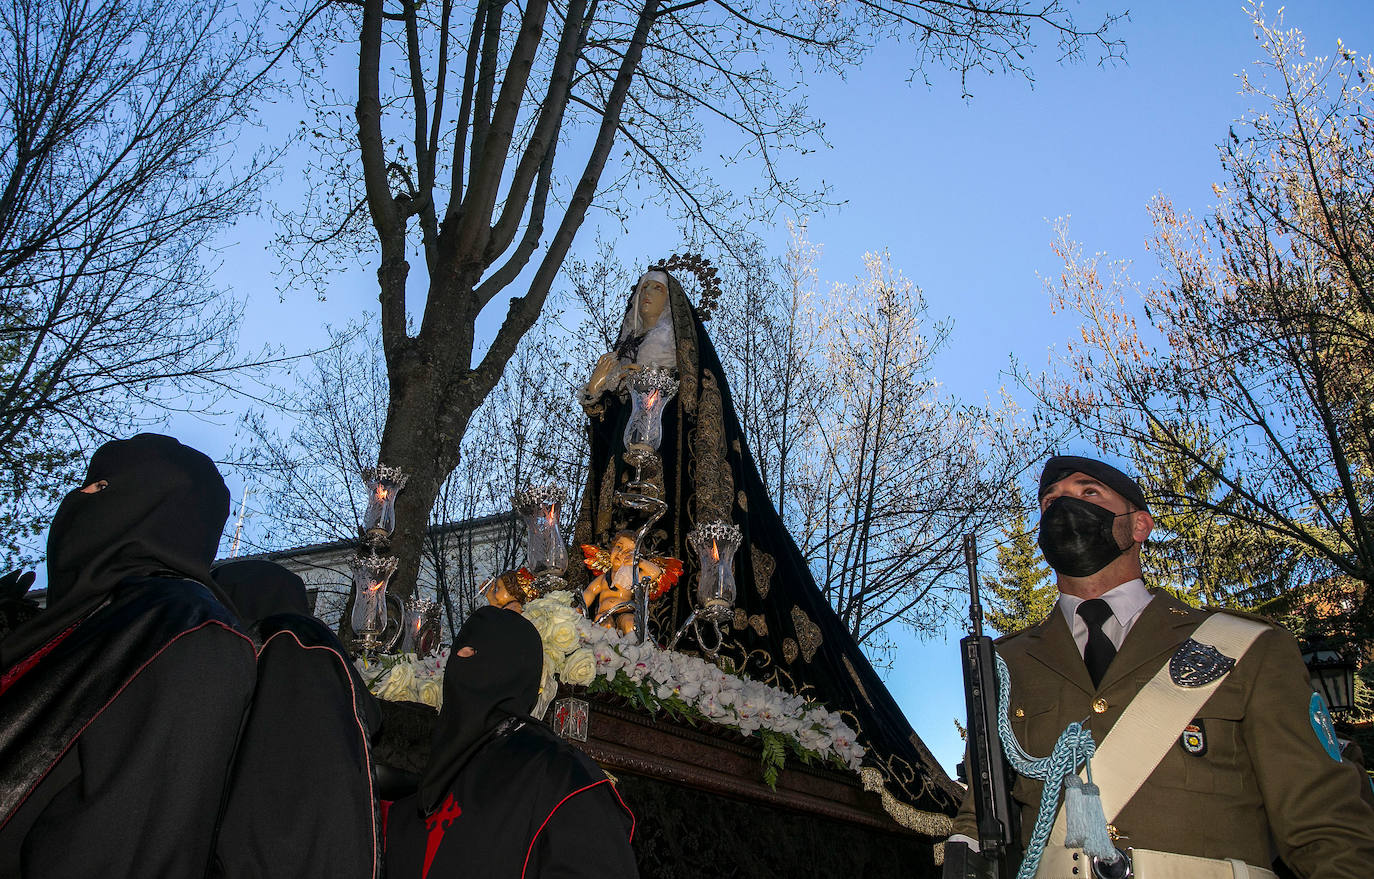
1098 653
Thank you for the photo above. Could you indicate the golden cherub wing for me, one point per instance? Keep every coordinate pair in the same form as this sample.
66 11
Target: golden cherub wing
595 558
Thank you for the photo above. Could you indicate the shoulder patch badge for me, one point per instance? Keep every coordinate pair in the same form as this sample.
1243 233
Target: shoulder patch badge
1323 727
1197 665
1194 738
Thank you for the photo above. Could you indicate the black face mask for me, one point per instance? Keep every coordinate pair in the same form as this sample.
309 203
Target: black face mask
1076 537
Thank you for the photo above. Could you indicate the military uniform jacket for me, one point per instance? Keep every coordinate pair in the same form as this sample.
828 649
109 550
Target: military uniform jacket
1259 769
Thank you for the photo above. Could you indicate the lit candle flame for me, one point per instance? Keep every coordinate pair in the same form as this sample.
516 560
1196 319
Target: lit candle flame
715 552
650 400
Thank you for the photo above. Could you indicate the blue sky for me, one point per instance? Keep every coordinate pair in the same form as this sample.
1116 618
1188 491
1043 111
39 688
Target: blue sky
961 192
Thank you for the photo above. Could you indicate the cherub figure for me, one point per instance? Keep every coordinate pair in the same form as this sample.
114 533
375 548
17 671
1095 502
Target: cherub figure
509 589
609 597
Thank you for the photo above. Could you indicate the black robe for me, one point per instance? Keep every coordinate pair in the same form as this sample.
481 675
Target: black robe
301 801
119 734
526 804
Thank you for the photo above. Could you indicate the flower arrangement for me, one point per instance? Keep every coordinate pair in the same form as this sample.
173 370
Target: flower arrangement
404 678
580 653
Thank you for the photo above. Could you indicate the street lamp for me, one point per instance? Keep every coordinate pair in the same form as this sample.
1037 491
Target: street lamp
1333 675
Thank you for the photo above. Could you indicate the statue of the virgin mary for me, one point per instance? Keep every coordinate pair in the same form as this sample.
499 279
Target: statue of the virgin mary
783 631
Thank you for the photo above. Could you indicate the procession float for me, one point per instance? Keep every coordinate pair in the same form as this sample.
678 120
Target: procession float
688 649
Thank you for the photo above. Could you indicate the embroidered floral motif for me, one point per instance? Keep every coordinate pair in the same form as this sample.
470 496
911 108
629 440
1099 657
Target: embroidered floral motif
764 565
790 649
808 633
715 484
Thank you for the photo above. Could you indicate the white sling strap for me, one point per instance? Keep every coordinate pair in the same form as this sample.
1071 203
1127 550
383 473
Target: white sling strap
1155 719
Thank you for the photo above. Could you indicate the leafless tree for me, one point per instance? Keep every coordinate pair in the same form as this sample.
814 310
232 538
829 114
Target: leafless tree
1250 366
486 133
118 169
900 471
309 474
767 334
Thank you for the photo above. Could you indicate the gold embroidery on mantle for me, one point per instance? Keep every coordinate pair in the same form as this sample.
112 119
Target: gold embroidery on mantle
743 500
741 619
789 649
605 504
715 484
759 625
929 823
808 633
849 667
764 565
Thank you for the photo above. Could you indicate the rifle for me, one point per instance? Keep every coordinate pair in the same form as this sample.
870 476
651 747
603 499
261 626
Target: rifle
989 776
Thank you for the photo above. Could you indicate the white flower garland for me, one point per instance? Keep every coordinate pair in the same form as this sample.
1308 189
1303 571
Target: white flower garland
405 678
578 652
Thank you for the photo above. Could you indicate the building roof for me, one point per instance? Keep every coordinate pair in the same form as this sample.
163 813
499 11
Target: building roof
473 524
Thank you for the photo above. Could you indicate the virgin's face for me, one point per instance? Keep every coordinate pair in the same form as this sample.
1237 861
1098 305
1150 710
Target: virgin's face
653 297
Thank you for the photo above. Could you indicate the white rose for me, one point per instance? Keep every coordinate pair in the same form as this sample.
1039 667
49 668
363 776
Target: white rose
561 634
560 599
580 668
432 693
396 686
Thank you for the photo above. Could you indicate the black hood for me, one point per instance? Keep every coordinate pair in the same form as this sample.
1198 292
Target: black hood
501 680
161 513
260 589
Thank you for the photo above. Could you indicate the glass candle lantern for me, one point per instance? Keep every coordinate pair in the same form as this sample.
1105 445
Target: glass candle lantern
650 391
370 576
383 484
421 618
540 506
715 544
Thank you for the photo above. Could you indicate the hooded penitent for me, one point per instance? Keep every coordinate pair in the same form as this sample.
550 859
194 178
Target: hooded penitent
259 589
301 800
137 660
160 512
502 795
498 682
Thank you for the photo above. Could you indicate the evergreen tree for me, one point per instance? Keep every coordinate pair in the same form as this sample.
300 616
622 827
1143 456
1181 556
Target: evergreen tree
1023 592
1197 551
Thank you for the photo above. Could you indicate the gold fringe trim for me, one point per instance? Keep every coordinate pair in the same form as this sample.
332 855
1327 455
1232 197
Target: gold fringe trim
928 823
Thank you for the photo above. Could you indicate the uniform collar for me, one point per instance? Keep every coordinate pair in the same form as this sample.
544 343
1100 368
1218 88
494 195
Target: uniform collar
1126 602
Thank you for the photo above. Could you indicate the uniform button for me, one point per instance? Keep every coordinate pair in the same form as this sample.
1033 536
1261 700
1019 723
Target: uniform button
1020 712
1099 705
1075 856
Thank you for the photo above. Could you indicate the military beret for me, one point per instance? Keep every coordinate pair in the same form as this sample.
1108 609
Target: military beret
1060 466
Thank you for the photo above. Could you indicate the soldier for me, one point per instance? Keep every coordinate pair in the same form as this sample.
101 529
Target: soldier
1246 764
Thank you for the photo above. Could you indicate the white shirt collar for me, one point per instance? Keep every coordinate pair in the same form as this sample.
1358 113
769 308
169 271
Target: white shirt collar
1126 601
